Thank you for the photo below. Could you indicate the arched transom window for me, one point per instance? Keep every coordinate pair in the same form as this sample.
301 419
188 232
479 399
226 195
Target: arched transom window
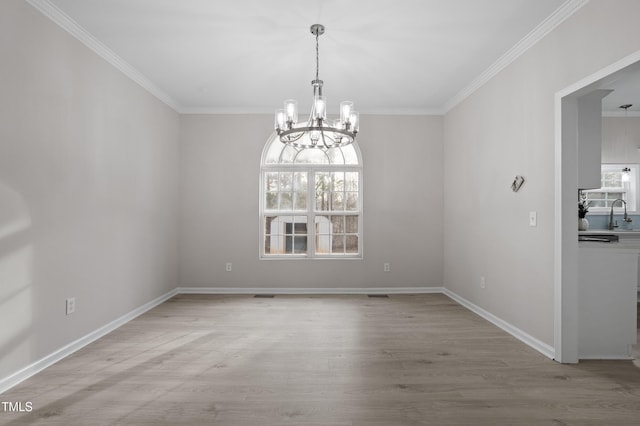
310 202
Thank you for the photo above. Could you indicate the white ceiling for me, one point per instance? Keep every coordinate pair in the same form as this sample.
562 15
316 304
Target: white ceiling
388 56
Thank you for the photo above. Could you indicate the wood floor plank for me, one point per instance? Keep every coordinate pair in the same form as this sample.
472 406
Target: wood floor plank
321 360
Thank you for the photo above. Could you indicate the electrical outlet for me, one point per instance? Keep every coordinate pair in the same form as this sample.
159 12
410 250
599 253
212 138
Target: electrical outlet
228 266
387 267
483 282
71 305
533 219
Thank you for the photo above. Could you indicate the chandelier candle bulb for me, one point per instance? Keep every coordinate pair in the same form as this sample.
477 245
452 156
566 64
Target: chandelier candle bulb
346 107
354 121
320 108
291 111
280 120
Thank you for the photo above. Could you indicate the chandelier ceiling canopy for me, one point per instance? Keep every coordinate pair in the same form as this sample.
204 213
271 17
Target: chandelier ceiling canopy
317 132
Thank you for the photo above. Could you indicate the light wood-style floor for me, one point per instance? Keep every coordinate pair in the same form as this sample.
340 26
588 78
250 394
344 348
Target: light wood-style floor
321 361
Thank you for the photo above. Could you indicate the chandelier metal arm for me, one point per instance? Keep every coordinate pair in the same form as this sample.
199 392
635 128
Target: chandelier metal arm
322 129
330 137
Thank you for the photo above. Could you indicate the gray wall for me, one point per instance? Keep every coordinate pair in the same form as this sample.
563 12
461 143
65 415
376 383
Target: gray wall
88 190
402 159
507 128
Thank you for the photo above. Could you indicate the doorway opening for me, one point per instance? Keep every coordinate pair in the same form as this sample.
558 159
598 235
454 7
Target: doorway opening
566 189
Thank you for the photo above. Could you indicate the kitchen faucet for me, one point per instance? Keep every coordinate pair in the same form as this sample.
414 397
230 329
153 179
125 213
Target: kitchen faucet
625 217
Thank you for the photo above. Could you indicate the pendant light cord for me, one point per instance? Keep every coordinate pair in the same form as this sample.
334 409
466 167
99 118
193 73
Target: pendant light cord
317 58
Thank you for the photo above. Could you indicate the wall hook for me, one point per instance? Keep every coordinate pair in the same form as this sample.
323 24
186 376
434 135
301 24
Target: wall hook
517 183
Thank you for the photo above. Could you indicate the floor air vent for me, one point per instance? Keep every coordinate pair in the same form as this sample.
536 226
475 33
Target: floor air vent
377 295
264 296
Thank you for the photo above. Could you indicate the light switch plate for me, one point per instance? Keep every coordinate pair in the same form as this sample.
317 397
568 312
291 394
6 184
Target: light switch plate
533 218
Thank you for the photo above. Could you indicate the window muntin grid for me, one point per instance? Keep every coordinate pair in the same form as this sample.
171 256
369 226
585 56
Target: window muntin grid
337 191
337 234
285 190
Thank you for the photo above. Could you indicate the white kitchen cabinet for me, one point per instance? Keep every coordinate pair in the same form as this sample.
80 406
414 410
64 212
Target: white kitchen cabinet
589 122
607 291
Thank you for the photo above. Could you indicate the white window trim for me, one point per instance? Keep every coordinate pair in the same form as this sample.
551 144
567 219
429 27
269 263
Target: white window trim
632 196
311 212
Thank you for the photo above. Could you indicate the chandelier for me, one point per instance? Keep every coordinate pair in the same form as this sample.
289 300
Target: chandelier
316 132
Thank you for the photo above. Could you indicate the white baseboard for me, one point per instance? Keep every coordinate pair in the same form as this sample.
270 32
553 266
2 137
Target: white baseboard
18 377
262 290
524 337
21 375
607 358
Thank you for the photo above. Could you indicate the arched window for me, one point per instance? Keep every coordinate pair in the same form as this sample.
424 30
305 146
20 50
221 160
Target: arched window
310 202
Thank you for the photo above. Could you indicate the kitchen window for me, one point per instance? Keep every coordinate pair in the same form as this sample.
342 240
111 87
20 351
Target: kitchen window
614 186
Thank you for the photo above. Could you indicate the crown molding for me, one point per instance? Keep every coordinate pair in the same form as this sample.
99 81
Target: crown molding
545 27
52 12
65 22
403 111
374 111
225 110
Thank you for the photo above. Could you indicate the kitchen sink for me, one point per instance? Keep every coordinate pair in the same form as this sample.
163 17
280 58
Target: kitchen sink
598 237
